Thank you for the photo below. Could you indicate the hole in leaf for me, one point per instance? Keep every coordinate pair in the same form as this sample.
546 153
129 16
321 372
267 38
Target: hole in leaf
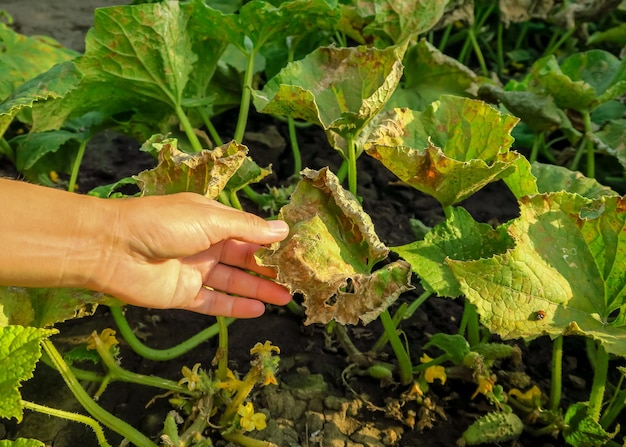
332 300
348 288
613 316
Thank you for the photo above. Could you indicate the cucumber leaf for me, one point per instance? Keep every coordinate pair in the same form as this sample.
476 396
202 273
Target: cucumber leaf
450 151
22 442
340 89
330 253
206 172
19 353
563 276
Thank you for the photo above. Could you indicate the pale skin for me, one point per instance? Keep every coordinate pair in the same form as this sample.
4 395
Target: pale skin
180 251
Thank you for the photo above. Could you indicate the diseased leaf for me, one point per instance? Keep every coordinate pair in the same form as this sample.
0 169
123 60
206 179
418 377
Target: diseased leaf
25 57
55 83
206 172
450 151
19 353
340 89
40 307
138 60
552 178
330 253
429 74
523 10
459 237
612 139
566 265
399 20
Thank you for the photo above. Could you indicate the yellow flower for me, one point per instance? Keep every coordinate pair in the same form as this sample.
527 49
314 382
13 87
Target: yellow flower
531 398
107 337
485 385
249 420
230 383
270 378
264 349
433 372
190 377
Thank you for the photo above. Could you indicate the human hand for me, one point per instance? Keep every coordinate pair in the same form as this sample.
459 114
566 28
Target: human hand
188 252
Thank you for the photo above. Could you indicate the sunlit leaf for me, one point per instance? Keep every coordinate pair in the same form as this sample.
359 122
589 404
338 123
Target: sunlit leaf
563 276
582 81
459 237
340 89
138 59
25 57
398 20
330 253
430 74
19 353
552 178
206 172
41 307
450 151
55 83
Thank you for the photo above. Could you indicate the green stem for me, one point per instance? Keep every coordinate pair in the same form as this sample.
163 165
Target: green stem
80 374
200 422
116 372
351 164
295 148
74 417
234 200
160 354
557 373
445 37
402 313
209 126
242 392
615 406
246 95
355 356
537 142
76 165
6 149
521 35
245 441
222 350
343 170
404 361
552 47
500 48
478 52
250 194
188 128
469 324
591 160
601 367
95 410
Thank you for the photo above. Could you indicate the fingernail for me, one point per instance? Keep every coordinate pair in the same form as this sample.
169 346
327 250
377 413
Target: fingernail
279 227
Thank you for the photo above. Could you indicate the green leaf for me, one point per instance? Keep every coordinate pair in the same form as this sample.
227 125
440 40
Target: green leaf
617 35
539 112
22 442
430 74
330 253
340 89
206 172
582 81
55 83
612 138
24 57
552 178
19 353
248 173
258 22
459 237
581 430
567 263
399 20
522 182
455 345
136 57
41 307
450 151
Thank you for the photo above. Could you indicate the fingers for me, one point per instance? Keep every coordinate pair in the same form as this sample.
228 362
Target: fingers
237 282
213 302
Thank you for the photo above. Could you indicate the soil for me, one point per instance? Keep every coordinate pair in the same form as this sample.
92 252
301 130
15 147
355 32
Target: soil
312 405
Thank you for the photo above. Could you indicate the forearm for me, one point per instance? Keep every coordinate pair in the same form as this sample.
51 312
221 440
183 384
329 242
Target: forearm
51 238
